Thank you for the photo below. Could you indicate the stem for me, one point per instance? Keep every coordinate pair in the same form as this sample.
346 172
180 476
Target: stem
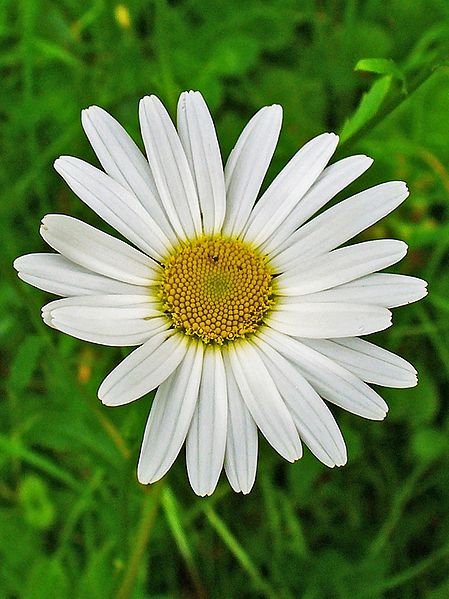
407 574
150 507
241 555
399 503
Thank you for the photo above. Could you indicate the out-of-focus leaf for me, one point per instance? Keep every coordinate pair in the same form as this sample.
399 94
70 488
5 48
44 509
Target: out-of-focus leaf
369 105
25 363
429 444
234 56
46 578
97 580
52 51
381 66
416 406
39 511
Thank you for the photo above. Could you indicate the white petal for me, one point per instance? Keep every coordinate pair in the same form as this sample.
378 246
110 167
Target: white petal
171 171
369 362
289 187
340 266
123 161
206 439
247 165
332 180
55 274
263 400
107 331
170 416
117 320
199 139
313 419
115 204
329 379
242 441
380 289
144 369
341 222
134 306
98 251
322 320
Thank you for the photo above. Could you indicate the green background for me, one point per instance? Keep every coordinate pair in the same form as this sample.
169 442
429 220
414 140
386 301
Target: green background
74 522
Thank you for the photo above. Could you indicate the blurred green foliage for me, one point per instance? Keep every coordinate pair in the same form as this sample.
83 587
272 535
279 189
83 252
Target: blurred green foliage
74 522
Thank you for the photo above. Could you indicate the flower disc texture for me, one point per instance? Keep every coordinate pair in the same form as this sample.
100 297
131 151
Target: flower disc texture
247 312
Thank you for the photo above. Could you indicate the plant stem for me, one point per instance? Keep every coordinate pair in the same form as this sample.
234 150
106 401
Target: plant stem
150 505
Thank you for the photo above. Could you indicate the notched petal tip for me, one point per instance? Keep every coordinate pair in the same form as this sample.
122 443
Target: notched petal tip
367 159
18 263
59 163
92 109
143 480
103 395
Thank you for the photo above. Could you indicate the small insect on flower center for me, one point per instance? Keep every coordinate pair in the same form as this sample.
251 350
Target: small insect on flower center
216 289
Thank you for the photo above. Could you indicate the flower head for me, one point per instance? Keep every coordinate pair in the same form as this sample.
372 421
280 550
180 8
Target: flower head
247 312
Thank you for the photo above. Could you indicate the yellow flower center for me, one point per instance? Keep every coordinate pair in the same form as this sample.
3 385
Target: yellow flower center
217 289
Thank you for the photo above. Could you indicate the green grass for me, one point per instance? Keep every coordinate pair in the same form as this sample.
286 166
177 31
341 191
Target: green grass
74 522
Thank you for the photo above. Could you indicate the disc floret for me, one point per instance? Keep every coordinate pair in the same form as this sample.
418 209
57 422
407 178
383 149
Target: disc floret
217 289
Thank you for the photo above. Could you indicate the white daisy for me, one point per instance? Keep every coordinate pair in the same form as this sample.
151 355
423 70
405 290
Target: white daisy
246 314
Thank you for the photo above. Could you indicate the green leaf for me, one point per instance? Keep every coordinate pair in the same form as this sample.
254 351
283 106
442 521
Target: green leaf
46 579
429 444
38 509
231 57
418 405
97 580
25 363
15 449
239 552
52 51
369 105
381 66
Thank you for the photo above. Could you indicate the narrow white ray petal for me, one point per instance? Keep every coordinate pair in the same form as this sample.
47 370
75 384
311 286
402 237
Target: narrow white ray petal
144 369
289 187
340 266
341 222
115 204
123 301
98 251
171 171
369 362
206 439
379 289
103 307
323 320
106 331
329 379
263 400
247 166
123 161
199 139
332 180
55 274
313 419
242 441
170 416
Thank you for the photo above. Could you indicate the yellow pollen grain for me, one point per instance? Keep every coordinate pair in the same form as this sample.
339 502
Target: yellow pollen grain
216 289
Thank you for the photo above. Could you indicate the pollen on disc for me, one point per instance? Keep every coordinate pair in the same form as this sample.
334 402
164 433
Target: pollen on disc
216 289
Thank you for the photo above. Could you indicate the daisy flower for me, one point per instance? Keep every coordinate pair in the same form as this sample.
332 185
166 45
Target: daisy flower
247 312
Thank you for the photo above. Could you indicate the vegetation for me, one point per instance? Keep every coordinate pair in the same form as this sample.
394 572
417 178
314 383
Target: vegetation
74 520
